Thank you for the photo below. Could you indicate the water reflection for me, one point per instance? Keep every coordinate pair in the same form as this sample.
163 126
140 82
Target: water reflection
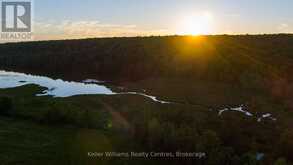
61 88
55 88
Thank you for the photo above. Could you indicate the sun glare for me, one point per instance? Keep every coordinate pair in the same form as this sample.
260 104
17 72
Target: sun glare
196 24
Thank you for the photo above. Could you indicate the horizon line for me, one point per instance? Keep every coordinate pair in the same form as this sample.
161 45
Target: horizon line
145 36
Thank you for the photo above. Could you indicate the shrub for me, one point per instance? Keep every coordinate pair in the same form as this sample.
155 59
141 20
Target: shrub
280 161
5 106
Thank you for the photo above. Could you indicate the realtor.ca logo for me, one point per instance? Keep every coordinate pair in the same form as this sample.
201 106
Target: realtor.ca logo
16 19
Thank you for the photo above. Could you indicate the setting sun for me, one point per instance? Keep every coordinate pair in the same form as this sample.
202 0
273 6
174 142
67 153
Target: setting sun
196 24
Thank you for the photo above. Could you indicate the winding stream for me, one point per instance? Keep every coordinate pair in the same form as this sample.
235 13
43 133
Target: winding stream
61 88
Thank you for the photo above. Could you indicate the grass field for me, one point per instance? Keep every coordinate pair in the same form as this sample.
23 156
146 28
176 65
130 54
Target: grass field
64 130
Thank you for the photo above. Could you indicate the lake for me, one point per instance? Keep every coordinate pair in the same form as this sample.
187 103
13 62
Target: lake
61 88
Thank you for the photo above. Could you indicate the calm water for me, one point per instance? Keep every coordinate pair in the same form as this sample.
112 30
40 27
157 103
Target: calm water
61 88
55 88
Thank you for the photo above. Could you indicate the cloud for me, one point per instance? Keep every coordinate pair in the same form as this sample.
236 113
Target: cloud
283 27
235 15
87 29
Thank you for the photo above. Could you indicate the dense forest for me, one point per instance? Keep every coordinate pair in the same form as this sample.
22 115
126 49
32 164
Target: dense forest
248 61
200 73
224 58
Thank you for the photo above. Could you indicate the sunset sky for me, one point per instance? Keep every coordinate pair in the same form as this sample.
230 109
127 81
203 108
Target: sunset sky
59 19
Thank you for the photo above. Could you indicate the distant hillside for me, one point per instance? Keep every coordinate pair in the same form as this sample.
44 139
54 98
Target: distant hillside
225 58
